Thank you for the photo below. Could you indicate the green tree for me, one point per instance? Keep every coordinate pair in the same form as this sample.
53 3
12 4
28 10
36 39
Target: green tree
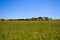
2 19
46 18
40 18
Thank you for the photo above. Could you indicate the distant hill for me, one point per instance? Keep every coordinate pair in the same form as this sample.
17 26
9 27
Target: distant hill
56 19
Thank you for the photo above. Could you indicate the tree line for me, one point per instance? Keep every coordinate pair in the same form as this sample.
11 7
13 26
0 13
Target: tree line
29 19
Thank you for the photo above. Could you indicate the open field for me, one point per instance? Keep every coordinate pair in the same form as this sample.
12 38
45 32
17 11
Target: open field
29 30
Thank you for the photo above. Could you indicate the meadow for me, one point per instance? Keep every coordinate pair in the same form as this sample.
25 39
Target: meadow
29 30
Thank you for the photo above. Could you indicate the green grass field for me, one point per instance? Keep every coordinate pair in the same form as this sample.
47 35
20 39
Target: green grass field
29 30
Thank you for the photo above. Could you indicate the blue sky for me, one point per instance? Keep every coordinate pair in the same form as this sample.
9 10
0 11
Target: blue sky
29 8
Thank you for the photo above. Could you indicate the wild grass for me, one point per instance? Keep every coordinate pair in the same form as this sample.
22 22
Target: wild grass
29 30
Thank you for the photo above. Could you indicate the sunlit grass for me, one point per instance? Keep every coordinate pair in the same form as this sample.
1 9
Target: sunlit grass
29 30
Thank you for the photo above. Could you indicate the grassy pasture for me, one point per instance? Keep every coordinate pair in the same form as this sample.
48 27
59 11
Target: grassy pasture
29 30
